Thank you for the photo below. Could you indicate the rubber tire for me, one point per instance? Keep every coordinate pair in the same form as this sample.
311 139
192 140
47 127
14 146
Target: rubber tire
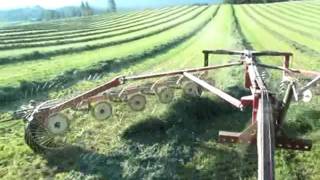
131 104
162 90
95 105
186 90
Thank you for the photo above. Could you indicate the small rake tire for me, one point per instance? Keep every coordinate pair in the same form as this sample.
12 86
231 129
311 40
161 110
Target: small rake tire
307 96
137 102
191 89
57 124
101 111
165 94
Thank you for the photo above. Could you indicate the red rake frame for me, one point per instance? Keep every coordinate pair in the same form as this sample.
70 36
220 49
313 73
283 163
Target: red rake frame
268 113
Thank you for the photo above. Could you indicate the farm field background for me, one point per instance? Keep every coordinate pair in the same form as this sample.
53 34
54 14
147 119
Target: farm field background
177 141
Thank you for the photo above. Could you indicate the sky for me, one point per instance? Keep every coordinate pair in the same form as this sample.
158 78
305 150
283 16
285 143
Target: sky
51 4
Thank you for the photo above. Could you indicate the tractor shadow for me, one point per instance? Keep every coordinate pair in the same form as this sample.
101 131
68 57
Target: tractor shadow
79 162
189 118
192 123
162 147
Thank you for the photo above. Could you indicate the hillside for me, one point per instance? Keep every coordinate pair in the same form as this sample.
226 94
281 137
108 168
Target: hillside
59 58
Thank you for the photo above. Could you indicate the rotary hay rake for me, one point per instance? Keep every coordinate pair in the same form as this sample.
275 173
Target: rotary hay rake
47 124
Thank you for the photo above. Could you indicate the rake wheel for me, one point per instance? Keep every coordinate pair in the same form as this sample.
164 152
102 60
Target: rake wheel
191 89
137 102
102 110
307 96
30 137
165 94
49 135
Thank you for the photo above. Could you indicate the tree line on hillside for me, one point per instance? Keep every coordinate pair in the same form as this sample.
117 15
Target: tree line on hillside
37 13
251 1
84 10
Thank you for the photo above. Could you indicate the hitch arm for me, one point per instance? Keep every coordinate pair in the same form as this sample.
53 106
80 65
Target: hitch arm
235 102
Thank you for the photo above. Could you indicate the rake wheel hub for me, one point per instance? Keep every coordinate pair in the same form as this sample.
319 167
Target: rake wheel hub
102 110
137 102
165 95
191 89
57 124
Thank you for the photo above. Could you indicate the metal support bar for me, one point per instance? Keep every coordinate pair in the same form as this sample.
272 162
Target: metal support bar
248 136
215 91
286 64
173 73
289 71
307 73
309 85
206 59
74 101
265 139
254 53
285 104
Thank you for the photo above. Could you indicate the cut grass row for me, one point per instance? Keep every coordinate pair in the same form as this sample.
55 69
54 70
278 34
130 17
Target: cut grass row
46 52
314 5
76 29
295 28
301 27
242 40
107 33
304 10
276 41
76 22
151 14
45 72
79 26
43 27
300 37
292 17
294 13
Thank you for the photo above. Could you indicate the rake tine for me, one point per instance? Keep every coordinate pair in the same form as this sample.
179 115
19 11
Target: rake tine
45 86
89 78
38 89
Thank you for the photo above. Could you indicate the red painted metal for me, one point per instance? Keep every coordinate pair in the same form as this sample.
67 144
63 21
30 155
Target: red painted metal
247 100
255 106
174 73
74 101
247 81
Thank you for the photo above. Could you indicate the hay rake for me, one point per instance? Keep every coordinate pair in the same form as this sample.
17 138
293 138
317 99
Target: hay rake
47 125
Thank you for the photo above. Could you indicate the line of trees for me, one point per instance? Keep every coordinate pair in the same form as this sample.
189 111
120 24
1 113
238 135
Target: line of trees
84 10
66 12
112 6
251 1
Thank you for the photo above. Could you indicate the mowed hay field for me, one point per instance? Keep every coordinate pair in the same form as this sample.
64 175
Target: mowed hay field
177 141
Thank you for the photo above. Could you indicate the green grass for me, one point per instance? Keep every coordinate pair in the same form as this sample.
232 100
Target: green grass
102 26
301 32
176 141
51 68
106 32
100 43
119 137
